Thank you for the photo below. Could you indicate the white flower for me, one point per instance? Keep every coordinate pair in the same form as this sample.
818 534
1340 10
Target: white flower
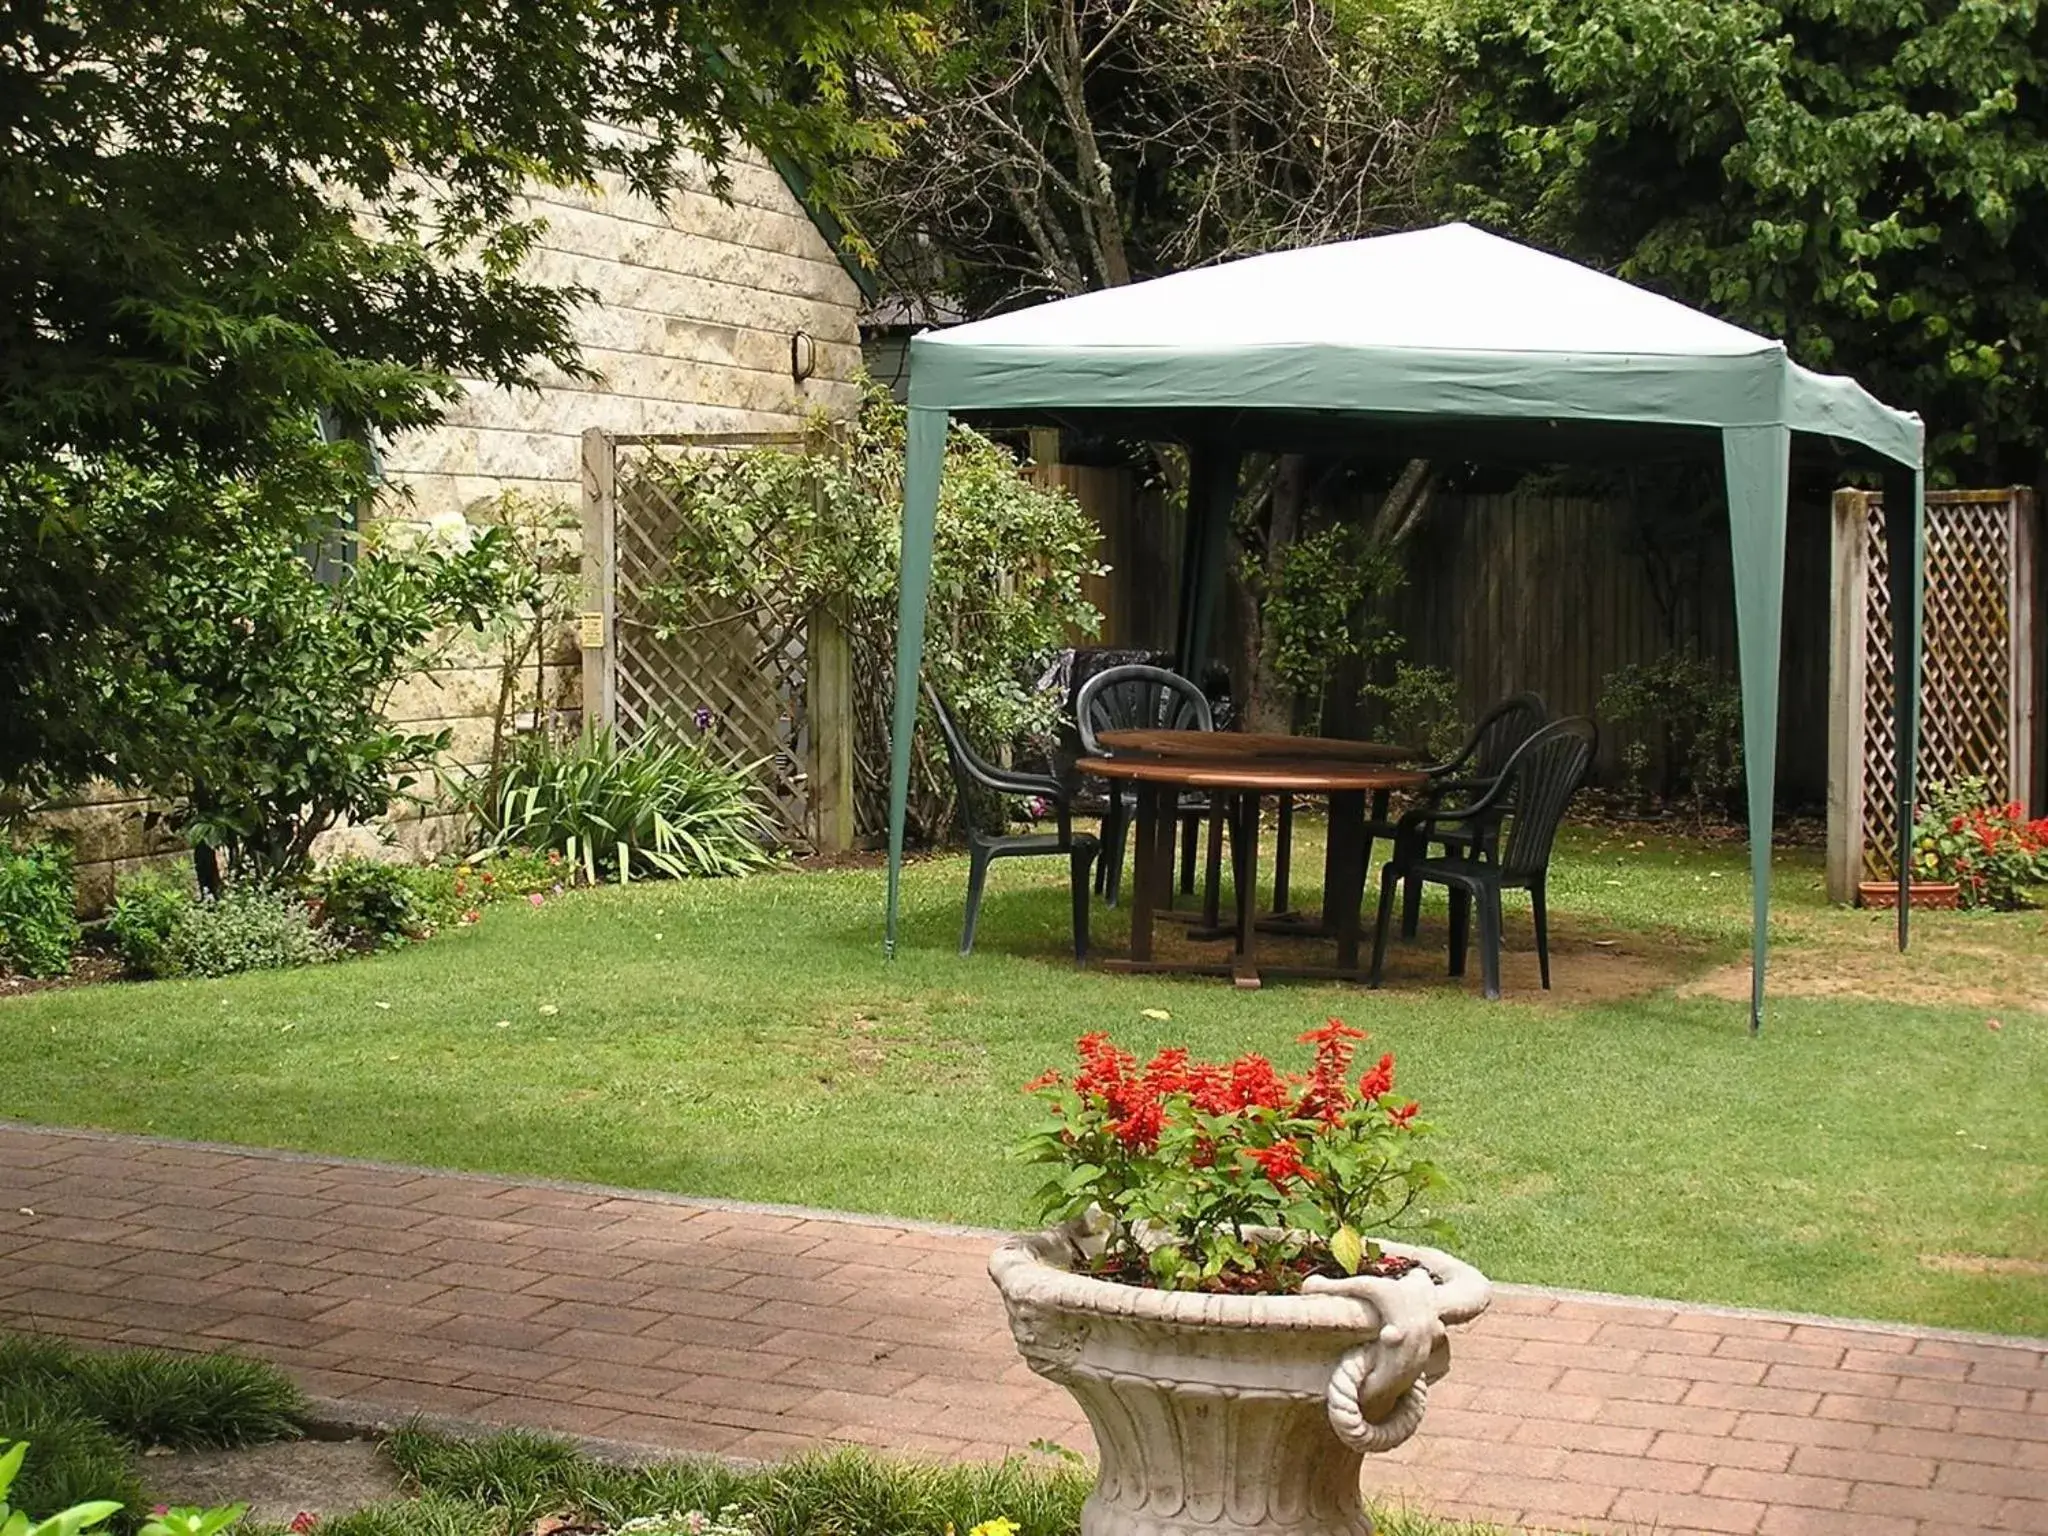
451 531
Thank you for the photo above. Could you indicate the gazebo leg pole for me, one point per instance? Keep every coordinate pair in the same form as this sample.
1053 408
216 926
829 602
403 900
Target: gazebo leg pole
1212 494
1905 540
1758 464
926 460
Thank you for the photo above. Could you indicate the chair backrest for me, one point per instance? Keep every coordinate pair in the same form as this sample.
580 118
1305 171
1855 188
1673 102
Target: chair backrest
1542 776
1138 698
970 771
1501 732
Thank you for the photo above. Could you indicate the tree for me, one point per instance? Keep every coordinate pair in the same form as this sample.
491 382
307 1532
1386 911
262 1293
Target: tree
1868 181
1052 147
220 220
1056 146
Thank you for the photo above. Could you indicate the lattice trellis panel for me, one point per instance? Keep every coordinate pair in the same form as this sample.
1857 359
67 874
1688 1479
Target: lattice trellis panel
733 670
1976 706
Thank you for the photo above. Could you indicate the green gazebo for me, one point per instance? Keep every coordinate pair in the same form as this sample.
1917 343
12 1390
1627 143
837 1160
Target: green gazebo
1442 343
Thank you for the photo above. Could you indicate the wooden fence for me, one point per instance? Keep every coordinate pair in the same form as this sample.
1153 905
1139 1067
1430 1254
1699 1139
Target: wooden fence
1547 593
1510 592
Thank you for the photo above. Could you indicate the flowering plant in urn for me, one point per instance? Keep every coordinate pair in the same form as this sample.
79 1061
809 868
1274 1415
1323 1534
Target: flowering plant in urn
1219 1292
1229 1176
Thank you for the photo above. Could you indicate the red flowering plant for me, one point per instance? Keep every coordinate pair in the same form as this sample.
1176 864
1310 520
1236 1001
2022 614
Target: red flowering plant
1994 854
1230 1176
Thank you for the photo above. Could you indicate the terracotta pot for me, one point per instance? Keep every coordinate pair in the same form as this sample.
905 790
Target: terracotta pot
1928 895
1234 1415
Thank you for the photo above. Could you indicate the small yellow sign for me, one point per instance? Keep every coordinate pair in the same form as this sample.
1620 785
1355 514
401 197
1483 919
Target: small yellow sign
590 630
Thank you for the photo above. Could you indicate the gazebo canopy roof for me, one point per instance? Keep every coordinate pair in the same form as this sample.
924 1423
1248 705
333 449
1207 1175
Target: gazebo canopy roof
1445 323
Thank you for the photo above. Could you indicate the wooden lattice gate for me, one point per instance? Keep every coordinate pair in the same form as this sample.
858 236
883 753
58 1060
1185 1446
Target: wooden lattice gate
769 684
1977 676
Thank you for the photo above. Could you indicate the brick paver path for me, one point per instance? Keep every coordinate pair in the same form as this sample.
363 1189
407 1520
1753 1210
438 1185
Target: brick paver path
753 1332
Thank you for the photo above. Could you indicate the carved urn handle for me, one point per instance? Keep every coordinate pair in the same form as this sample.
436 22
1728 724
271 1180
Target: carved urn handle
1380 1390
1357 1399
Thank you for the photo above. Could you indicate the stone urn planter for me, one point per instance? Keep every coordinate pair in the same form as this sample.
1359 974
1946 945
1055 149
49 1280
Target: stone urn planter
1218 1415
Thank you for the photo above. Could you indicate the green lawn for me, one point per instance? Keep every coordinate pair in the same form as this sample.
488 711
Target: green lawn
1881 1151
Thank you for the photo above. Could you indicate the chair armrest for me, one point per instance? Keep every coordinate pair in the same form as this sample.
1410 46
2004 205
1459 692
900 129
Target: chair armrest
1450 764
1487 804
1003 781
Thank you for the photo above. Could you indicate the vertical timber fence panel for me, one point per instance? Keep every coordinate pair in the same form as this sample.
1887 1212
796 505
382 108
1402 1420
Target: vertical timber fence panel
1978 679
767 682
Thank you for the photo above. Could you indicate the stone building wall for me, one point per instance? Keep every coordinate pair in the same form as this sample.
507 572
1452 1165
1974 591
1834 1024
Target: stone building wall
696 306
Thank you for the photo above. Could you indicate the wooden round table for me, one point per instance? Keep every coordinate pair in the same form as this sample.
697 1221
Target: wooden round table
1237 780
1213 745
1266 746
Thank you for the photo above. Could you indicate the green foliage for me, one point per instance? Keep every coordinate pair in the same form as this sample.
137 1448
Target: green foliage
663 805
822 530
502 872
1994 854
247 927
1318 606
278 731
76 1462
151 1397
370 903
1421 708
443 893
851 1492
431 1514
70 1516
1685 717
190 277
147 913
1865 181
86 1411
38 895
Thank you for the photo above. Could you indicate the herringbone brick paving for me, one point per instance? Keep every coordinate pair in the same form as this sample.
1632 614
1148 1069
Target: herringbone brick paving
756 1332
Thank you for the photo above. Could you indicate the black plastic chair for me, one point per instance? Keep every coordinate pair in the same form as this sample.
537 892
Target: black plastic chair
1141 698
1537 783
971 771
1467 775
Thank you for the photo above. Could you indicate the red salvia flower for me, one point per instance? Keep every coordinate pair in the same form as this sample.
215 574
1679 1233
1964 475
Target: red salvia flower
1167 1072
1326 1095
1139 1126
1208 1086
1332 1031
1281 1162
1400 1117
1379 1082
1043 1081
1254 1084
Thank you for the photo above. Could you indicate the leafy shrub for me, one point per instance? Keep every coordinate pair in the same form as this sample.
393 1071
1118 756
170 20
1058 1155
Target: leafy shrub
145 917
280 732
369 903
1993 853
76 1461
665 805
1687 721
1419 708
247 927
38 893
502 872
72 1515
